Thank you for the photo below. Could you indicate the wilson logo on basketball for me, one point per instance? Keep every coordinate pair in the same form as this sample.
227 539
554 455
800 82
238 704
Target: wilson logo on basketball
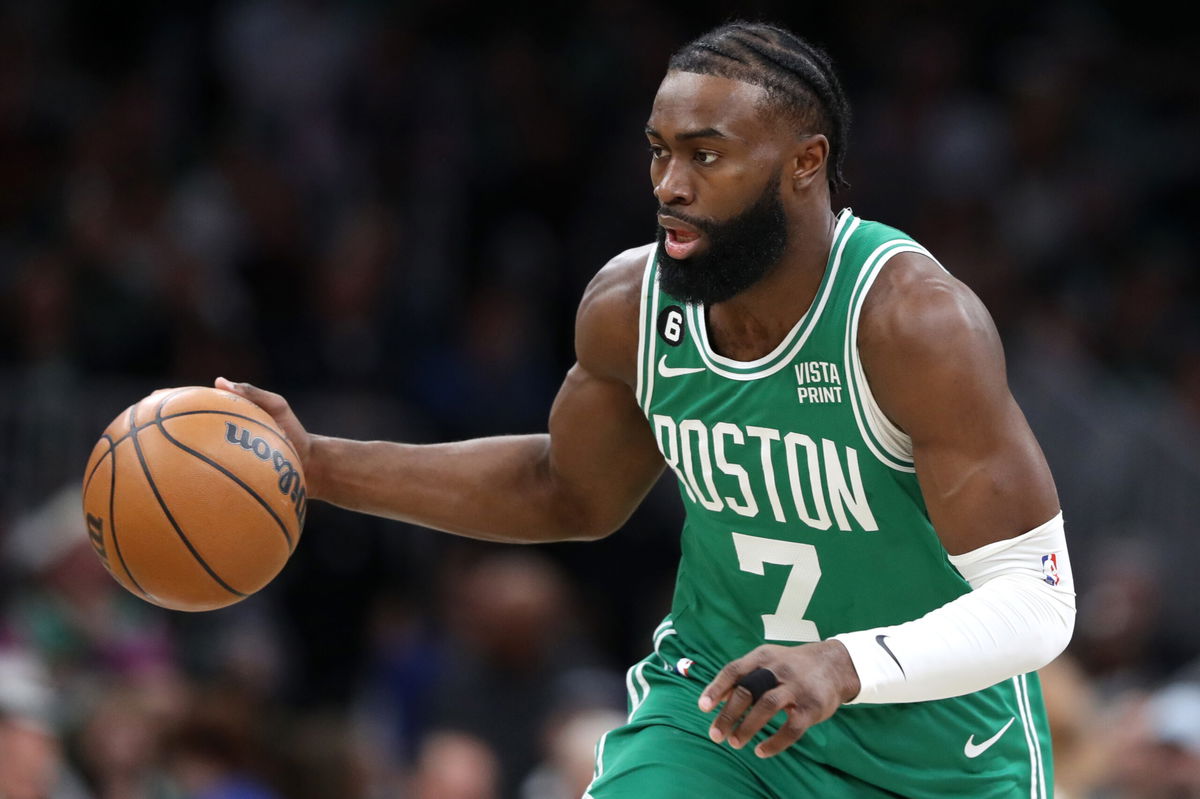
289 479
95 528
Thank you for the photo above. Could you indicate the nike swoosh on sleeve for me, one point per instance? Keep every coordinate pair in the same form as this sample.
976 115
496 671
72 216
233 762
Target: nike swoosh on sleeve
879 640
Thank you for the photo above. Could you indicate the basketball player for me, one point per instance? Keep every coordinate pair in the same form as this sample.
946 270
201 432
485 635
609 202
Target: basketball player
873 558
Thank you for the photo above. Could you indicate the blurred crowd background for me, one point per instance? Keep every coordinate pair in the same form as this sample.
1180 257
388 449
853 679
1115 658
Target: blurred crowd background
388 212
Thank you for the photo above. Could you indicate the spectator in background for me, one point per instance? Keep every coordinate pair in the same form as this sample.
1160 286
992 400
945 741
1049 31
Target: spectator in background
455 765
569 760
32 765
319 756
405 661
119 747
86 628
1079 728
217 752
1159 755
1120 637
516 651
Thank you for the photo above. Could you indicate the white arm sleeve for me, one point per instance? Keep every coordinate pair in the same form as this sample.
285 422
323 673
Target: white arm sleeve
1018 617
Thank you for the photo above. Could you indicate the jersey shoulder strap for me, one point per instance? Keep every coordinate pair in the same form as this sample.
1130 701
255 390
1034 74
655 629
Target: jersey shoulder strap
647 312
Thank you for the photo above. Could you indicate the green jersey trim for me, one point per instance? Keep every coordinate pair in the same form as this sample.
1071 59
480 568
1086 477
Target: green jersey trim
1037 768
645 357
792 343
887 442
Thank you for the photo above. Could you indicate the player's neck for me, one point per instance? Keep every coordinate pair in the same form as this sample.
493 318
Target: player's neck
753 323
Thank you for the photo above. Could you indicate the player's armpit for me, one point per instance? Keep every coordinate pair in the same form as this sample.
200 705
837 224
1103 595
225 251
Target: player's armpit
935 364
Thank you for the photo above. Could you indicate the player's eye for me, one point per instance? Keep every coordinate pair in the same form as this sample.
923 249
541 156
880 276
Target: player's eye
706 157
657 151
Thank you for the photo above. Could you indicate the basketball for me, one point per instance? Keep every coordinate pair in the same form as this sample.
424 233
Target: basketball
193 498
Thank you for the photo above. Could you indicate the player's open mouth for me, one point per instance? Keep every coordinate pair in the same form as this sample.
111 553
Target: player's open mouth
680 242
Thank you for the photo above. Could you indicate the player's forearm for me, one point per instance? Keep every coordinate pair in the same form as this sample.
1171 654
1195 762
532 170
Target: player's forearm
494 489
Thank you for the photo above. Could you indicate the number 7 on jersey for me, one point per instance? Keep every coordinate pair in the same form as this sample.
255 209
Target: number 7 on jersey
787 623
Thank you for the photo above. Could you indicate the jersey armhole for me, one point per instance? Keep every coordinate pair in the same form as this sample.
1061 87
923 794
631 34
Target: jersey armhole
647 311
887 442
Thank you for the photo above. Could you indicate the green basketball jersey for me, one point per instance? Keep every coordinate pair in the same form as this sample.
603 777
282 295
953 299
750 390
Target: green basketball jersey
804 518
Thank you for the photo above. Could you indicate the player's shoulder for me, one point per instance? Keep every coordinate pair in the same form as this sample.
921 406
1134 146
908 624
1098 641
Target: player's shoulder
619 282
606 325
916 304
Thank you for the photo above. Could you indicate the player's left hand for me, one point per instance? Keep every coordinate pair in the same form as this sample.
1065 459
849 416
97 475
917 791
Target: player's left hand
813 681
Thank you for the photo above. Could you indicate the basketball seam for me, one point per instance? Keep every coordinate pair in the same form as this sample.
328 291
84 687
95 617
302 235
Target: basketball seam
87 481
158 419
137 429
154 487
257 498
165 399
112 519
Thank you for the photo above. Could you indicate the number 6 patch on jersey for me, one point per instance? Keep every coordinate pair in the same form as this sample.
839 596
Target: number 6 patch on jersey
671 325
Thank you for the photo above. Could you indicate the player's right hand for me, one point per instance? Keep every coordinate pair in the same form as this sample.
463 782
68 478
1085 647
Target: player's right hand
283 415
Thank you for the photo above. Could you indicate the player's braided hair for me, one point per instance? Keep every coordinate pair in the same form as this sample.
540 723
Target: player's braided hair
798 78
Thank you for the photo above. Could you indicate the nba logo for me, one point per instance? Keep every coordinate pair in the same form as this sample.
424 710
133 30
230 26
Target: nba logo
1050 568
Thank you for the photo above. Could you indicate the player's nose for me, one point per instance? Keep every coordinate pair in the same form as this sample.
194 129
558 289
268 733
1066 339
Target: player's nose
673 186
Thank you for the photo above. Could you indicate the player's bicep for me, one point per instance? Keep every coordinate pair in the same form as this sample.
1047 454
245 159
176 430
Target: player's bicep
936 365
603 456
982 473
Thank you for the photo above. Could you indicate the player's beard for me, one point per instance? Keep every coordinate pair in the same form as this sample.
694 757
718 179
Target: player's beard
740 251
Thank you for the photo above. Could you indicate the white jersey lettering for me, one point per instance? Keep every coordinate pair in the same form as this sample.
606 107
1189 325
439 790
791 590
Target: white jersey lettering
711 500
722 430
766 435
825 481
845 497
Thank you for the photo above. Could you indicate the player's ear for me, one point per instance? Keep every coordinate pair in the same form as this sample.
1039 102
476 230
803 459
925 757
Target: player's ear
808 161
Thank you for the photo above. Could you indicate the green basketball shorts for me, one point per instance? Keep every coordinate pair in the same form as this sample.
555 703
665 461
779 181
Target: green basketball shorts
989 745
